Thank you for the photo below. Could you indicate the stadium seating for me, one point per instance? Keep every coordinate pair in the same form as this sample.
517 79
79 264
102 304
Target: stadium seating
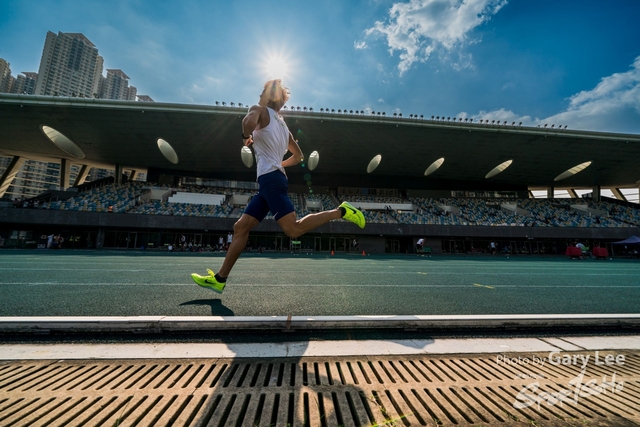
136 198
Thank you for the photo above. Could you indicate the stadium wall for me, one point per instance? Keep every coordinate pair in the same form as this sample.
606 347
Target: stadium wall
372 239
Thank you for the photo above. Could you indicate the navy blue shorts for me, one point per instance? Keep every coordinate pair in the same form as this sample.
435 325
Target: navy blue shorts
273 196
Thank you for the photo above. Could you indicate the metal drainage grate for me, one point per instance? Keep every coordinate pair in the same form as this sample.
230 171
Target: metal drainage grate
399 391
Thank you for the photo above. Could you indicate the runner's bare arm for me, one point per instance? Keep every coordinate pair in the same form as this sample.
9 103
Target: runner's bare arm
250 123
296 154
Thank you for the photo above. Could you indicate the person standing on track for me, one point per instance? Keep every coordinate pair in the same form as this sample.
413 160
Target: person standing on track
267 131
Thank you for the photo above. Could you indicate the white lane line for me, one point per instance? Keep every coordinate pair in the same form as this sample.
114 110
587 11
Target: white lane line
79 269
302 285
352 273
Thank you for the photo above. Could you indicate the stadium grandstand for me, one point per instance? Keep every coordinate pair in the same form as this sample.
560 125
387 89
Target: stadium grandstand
459 185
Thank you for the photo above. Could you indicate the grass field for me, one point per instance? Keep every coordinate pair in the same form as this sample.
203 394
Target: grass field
92 283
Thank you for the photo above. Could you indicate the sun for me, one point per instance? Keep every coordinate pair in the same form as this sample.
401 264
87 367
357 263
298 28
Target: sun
276 67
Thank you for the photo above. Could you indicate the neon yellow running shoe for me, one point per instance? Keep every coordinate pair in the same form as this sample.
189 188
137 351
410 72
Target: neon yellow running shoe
209 281
353 214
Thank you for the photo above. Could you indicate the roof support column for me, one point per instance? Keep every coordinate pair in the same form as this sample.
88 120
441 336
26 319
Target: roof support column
572 193
65 171
9 174
597 194
132 177
100 239
550 192
118 175
618 194
82 175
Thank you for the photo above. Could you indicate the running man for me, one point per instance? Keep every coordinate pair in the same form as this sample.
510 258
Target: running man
265 129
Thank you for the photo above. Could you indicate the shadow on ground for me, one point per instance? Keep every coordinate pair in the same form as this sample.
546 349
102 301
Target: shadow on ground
217 308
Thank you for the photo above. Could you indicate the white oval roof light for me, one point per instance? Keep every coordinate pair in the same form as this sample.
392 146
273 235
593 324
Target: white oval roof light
434 166
247 156
167 151
314 159
374 163
62 142
500 168
574 170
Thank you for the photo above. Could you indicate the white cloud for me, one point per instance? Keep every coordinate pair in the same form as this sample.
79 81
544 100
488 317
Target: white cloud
204 90
381 101
419 27
501 116
612 106
360 44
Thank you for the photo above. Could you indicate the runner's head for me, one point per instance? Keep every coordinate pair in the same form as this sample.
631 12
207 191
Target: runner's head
274 95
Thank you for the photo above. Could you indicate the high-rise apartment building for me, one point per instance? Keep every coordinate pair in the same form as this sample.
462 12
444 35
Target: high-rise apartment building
34 178
116 86
131 93
97 77
25 83
6 79
70 66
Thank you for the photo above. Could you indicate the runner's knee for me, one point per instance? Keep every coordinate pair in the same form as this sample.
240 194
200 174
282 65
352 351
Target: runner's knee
241 227
293 234
292 230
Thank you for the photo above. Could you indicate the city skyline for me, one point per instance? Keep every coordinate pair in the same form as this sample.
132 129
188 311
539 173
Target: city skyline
70 66
573 63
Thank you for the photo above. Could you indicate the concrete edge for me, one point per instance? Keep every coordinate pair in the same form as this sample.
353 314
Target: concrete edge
498 346
157 324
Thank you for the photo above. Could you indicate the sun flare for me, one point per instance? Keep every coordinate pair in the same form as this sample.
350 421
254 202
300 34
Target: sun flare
276 67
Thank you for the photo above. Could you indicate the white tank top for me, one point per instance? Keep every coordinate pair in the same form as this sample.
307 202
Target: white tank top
271 144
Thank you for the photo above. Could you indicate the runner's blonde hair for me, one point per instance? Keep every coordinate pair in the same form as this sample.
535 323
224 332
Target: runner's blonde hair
277 94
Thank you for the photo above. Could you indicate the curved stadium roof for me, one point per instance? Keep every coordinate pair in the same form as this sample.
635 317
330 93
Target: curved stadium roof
206 142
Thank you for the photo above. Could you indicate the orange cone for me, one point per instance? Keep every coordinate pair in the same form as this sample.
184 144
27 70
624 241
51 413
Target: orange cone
332 253
363 254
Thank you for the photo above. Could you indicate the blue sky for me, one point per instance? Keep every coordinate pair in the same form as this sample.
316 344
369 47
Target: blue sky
566 62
